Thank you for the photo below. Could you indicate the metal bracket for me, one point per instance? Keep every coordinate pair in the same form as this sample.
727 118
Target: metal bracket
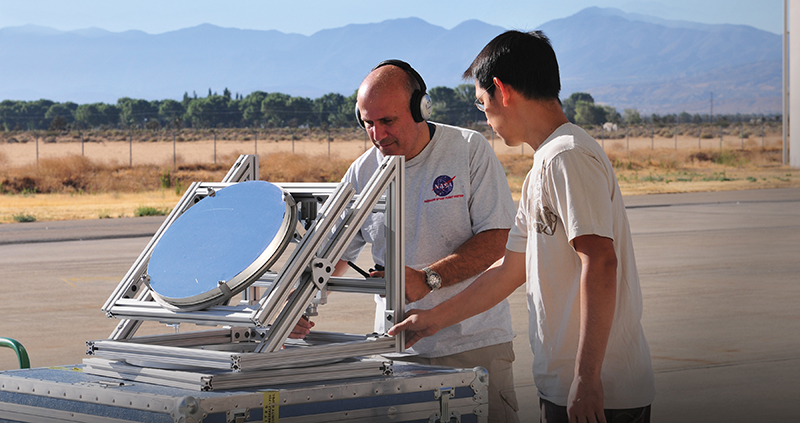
480 388
444 395
321 270
388 318
237 416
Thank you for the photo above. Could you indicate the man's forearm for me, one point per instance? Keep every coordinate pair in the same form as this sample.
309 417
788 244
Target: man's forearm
484 293
598 289
472 257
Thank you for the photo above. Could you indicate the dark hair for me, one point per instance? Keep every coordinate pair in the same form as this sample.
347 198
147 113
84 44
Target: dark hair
524 61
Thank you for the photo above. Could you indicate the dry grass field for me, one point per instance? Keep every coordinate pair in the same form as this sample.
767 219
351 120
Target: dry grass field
112 174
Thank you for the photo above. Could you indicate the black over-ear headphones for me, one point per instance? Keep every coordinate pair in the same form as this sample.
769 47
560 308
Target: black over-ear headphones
421 104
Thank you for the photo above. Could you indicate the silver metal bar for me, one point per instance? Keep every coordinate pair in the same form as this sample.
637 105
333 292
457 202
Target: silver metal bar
396 251
176 357
354 218
217 315
375 286
270 307
244 169
341 216
208 381
137 269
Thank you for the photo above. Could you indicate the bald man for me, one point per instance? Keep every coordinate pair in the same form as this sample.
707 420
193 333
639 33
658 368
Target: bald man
458 213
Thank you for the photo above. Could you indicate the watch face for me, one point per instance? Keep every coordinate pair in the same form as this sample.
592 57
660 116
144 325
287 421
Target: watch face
432 279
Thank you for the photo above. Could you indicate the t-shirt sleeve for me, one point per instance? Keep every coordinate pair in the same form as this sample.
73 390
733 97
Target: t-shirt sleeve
577 186
353 250
490 203
518 236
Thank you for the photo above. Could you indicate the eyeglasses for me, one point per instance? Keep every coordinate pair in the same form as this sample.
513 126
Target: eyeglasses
479 103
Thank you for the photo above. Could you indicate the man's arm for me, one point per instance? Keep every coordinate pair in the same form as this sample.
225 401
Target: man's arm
598 291
490 288
471 258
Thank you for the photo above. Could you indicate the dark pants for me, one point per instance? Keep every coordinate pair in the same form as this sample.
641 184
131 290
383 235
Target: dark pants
552 413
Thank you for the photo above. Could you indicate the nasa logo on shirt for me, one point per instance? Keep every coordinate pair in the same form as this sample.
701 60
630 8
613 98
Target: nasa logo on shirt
443 185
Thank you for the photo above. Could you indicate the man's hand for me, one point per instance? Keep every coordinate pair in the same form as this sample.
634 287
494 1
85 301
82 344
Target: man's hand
302 328
417 325
416 288
585 401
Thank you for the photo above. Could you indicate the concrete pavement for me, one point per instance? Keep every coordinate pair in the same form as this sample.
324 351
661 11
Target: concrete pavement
719 276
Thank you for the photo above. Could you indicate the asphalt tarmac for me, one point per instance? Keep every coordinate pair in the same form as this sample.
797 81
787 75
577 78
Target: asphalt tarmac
719 271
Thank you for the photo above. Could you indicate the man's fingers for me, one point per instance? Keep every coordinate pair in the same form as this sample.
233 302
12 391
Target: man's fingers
412 338
394 330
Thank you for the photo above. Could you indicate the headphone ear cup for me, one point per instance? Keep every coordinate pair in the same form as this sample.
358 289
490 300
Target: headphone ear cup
421 106
426 107
358 117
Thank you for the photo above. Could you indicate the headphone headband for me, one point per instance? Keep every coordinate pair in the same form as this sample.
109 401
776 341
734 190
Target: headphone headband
406 67
421 104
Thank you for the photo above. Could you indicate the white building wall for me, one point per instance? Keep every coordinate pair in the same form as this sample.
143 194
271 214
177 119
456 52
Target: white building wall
794 83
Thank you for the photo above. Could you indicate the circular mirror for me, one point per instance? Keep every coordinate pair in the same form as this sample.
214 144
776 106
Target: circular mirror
221 245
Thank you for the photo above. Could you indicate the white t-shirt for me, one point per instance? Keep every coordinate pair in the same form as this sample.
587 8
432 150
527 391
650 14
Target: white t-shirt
571 191
455 188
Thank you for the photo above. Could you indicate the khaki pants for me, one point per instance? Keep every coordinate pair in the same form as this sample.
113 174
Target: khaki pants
498 360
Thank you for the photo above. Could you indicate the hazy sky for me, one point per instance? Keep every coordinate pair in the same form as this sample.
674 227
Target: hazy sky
309 16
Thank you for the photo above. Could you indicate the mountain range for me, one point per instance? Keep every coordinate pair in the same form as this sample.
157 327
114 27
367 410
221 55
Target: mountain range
624 60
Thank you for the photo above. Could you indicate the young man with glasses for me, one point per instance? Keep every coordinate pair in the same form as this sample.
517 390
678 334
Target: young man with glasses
571 245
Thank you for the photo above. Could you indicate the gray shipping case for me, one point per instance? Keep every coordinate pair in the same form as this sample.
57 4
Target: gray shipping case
411 393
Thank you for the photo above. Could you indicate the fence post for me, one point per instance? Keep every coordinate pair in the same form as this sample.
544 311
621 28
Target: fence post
741 135
603 137
627 140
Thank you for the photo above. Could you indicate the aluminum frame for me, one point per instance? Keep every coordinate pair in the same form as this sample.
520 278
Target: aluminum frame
256 329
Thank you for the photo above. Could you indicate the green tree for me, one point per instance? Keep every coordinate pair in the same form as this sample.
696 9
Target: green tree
213 112
171 111
31 114
587 113
631 117
64 110
326 109
250 107
444 104
571 103
111 113
58 124
611 115
275 109
300 111
135 111
90 115
347 110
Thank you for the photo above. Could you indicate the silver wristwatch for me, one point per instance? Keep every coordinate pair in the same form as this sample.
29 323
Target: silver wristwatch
432 279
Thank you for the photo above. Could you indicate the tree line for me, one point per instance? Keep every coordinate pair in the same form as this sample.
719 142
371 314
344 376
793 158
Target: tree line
270 110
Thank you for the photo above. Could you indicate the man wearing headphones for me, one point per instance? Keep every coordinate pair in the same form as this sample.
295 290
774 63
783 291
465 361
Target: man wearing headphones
459 211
